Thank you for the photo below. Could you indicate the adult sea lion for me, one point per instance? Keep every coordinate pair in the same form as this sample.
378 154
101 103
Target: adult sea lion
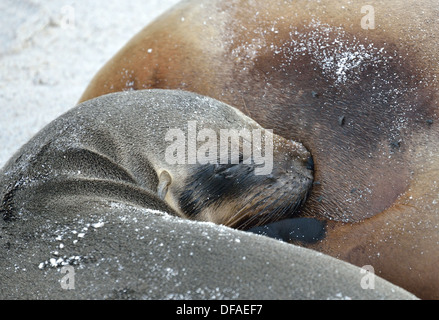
91 208
356 84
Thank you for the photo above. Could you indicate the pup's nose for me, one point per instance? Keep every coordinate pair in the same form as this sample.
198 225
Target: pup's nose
292 157
310 163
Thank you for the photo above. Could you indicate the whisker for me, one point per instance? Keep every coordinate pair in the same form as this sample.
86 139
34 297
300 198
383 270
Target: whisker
268 213
239 215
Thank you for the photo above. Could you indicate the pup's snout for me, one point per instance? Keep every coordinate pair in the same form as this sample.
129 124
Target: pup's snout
292 158
310 163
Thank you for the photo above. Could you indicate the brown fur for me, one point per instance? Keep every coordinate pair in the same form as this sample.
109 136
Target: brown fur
369 116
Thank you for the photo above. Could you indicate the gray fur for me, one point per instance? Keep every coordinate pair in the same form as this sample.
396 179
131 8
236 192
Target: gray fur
139 254
83 193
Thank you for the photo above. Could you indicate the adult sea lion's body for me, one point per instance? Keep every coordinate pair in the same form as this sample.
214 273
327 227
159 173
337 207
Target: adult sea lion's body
128 252
89 209
356 85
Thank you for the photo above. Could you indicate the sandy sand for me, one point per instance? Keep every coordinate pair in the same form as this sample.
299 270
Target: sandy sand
50 50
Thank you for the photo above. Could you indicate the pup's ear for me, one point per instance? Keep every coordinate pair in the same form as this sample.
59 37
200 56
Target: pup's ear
165 180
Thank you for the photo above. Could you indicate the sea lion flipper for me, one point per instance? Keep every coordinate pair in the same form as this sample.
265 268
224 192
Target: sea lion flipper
304 230
164 182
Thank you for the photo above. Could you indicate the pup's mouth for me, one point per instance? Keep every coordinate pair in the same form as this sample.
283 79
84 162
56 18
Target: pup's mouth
270 202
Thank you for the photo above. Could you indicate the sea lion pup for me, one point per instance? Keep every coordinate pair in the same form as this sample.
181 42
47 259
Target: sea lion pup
165 150
90 209
357 84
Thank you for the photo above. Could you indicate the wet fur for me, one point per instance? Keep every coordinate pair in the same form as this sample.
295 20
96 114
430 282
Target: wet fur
364 102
